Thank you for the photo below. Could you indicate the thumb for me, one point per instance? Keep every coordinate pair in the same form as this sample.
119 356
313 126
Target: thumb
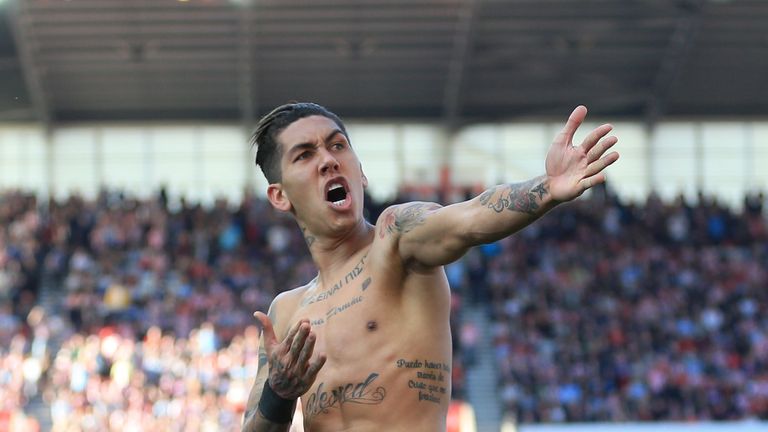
267 331
574 121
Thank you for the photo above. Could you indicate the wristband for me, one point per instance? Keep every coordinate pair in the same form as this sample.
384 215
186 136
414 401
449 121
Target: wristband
274 408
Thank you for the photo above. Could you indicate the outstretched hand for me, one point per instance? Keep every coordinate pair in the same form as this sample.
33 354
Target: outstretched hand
291 373
574 169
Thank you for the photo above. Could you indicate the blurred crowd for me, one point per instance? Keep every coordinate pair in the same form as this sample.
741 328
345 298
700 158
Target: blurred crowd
150 324
607 311
601 311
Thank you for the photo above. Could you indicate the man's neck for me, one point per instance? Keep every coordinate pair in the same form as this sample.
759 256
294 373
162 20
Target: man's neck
332 253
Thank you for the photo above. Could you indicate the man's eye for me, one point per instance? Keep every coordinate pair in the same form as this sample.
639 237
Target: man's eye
338 146
304 155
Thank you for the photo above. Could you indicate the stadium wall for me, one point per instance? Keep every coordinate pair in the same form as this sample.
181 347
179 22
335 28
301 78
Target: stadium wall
204 161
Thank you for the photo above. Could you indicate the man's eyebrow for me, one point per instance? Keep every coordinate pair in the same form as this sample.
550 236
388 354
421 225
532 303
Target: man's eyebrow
309 145
301 146
333 134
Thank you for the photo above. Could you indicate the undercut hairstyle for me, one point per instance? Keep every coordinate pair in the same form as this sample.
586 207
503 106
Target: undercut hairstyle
268 150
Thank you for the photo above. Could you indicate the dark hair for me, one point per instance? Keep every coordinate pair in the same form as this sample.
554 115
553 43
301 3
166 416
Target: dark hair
268 151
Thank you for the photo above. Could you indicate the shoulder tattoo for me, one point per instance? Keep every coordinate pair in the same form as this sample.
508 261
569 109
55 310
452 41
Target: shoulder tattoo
403 219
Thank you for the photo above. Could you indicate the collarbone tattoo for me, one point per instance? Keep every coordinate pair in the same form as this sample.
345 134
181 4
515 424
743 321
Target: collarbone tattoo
325 294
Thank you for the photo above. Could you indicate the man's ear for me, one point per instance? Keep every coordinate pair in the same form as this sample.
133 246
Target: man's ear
278 198
365 179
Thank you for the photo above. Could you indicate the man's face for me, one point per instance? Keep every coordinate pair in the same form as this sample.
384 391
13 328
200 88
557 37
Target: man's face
321 174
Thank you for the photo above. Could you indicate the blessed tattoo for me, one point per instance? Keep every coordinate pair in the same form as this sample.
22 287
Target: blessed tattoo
364 393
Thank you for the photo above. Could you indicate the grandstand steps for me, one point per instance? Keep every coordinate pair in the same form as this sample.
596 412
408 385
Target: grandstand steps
49 296
482 378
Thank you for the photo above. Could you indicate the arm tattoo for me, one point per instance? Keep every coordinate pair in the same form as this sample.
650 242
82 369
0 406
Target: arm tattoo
521 197
404 219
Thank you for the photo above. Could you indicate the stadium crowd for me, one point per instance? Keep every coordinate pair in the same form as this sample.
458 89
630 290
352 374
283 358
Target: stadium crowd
153 328
605 311
602 310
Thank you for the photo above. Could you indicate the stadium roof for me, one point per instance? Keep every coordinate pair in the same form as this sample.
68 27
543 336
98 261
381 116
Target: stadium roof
452 61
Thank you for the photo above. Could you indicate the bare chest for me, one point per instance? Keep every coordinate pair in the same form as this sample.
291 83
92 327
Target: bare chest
369 332
348 312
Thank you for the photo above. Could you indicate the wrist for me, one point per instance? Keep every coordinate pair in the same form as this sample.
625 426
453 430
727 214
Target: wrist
274 407
546 200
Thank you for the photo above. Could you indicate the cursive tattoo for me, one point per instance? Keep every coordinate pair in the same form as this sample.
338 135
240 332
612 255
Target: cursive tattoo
521 197
322 400
343 307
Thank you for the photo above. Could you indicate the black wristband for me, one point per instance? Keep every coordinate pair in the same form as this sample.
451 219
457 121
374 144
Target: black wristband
274 408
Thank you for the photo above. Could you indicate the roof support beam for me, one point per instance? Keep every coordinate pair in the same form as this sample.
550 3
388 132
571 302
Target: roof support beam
680 45
246 77
462 46
33 75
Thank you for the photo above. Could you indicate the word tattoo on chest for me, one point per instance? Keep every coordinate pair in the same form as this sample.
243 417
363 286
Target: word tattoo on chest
341 308
348 278
335 310
430 380
361 393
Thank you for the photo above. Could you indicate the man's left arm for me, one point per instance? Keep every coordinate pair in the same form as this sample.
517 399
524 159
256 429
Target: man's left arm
429 235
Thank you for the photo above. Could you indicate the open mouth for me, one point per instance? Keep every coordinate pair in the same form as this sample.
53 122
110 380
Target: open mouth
337 194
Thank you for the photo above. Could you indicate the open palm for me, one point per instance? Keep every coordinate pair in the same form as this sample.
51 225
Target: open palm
574 169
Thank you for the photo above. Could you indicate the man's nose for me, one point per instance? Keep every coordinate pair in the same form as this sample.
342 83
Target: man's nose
329 163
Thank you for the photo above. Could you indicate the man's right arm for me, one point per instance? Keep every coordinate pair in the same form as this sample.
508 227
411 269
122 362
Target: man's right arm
284 374
254 421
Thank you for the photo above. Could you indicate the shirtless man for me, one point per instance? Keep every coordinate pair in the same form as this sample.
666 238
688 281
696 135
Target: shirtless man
366 345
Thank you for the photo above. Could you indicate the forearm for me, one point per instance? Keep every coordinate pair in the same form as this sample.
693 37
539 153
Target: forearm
254 420
430 236
505 209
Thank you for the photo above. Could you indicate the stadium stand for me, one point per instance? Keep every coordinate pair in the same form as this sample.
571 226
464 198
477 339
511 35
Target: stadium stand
151 325
150 319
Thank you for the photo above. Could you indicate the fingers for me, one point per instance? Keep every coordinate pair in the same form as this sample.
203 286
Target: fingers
574 121
298 341
594 180
314 368
267 331
594 136
594 175
306 352
601 148
288 341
